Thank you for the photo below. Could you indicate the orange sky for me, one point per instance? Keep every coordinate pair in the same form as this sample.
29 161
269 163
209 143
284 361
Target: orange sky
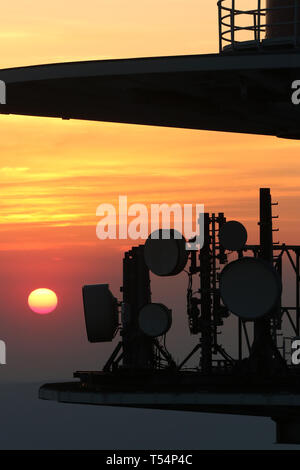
54 173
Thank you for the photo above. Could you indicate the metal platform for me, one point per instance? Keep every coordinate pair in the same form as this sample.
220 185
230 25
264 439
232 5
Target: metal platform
280 404
265 402
240 92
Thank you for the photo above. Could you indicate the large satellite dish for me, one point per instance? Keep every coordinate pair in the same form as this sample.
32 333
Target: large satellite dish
155 319
100 312
233 236
165 252
250 287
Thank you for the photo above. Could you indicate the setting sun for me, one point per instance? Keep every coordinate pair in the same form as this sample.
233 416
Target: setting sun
42 301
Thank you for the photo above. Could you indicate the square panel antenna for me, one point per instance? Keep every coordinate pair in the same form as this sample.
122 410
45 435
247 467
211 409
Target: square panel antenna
100 312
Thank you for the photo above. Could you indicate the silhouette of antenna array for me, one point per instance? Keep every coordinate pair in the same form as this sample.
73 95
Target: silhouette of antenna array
230 282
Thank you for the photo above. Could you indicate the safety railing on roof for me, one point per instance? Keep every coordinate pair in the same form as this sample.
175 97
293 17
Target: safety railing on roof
258 26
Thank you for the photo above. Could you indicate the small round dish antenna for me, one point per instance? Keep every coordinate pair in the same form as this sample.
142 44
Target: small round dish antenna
155 319
250 287
233 236
165 252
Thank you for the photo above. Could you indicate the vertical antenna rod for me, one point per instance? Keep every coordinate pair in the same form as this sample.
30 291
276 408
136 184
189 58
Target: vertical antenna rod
205 289
262 325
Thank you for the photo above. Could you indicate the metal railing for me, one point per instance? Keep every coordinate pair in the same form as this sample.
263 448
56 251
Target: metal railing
232 31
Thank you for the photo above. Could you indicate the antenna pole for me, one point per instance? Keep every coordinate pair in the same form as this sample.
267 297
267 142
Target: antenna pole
205 303
137 347
264 350
262 326
266 231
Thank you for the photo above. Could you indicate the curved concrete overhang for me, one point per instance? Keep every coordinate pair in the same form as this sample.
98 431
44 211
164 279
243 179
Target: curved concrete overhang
247 93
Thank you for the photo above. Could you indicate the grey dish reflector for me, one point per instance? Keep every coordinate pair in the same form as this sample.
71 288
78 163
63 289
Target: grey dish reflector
165 256
155 319
100 312
233 236
250 287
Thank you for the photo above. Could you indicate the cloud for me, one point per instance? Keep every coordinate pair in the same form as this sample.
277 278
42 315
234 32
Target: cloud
9 171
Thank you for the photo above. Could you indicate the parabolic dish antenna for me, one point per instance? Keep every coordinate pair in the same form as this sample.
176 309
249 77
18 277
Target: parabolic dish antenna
165 256
155 319
233 236
100 312
250 288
